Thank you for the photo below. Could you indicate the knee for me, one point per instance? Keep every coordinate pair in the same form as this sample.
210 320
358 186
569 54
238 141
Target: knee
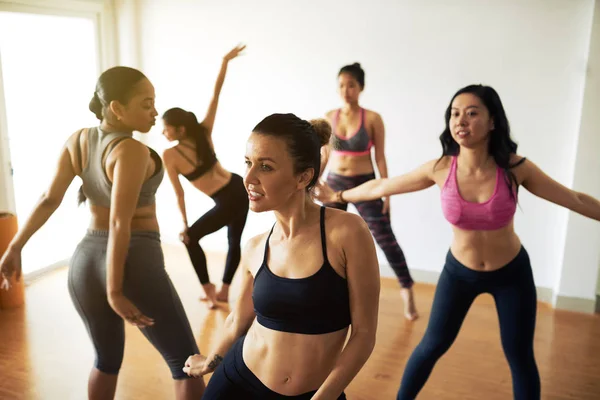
433 346
107 364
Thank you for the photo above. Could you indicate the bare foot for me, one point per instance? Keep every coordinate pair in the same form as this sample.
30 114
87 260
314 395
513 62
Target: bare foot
223 293
210 296
410 310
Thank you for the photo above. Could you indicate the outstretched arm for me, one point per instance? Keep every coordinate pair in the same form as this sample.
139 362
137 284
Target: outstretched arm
209 119
48 203
541 185
418 179
362 275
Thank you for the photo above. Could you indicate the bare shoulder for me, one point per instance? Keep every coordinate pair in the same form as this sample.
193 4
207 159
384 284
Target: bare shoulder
329 115
253 252
372 115
520 166
344 227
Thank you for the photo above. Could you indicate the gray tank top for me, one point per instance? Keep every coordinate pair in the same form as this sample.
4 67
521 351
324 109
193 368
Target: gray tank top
96 185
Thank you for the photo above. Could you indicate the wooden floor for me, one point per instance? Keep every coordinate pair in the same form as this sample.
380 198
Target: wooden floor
45 352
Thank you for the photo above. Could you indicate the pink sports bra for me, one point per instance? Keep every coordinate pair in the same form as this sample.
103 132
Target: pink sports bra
495 213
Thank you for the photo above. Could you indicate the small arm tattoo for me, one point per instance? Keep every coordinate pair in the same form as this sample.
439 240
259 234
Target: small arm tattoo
215 362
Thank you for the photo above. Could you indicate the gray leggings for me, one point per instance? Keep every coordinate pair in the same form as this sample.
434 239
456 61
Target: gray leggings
146 284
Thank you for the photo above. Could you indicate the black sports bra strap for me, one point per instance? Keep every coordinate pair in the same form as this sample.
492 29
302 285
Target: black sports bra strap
184 156
323 237
267 244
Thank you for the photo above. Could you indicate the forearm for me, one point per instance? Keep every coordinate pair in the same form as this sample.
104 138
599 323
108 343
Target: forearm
221 77
118 243
371 190
231 333
382 167
40 214
182 210
589 206
353 357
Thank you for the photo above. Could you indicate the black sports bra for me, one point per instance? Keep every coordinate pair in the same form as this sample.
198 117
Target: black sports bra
316 304
202 166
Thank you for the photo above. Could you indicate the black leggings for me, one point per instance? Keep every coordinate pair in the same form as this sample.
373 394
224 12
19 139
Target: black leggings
378 222
514 293
146 284
233 380
231 210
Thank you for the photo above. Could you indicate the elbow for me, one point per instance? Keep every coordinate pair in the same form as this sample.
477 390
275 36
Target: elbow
119 225
367 339
50 201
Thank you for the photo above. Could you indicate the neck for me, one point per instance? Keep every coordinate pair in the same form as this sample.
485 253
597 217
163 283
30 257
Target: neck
474 159
296 215
350 108
108 126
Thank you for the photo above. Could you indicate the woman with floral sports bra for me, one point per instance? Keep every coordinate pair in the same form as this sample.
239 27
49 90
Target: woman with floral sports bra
479 173
355 131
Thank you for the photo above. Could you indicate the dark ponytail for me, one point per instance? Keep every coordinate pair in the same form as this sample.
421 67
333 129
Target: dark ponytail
178 117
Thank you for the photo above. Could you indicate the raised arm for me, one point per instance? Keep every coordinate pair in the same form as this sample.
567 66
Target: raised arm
131 160
236 325
50 200
418 179
209 119
362 274
541 185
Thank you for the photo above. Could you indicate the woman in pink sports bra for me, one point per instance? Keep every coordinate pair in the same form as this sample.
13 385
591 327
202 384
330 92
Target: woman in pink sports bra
348 154
478 174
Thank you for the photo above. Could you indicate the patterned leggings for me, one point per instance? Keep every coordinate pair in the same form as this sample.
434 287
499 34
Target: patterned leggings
379 223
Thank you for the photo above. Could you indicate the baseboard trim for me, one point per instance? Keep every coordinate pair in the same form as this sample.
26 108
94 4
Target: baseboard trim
35 275
576 304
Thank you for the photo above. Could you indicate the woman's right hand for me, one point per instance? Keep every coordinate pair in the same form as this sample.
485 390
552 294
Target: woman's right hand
183 235
10 264
196 366
234 52
128 311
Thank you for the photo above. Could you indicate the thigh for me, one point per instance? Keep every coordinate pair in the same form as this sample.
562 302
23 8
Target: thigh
213 220
451 302
149 287
87 288
516 303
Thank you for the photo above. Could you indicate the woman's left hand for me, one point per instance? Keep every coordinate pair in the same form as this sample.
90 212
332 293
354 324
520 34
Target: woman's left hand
324 193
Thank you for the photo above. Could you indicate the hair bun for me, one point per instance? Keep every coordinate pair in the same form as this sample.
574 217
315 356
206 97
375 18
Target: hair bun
323 130
356 64
95 106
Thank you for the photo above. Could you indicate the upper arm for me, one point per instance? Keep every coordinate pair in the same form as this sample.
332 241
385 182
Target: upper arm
243 312
378 137
211 113
362 274
131 160
541 185
172 172
62 178
418 179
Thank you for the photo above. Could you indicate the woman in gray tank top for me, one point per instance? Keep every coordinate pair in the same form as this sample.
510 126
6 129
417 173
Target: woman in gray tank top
117 272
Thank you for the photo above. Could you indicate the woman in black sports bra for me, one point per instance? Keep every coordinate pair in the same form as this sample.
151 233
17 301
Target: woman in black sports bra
304 284
194 158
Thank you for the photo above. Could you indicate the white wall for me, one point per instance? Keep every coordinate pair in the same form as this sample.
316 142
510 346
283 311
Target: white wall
578 275
416 55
